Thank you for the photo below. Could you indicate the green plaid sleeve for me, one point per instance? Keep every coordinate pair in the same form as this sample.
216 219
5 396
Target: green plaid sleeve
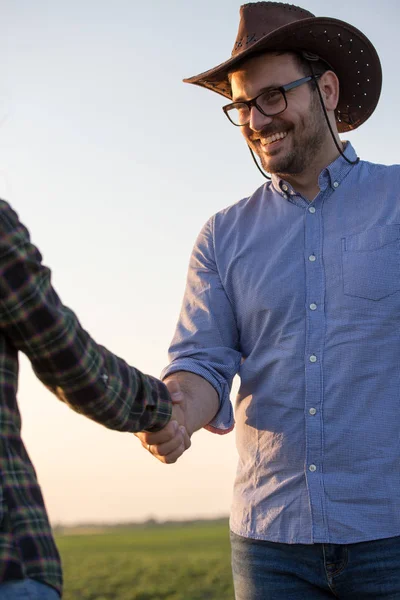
85 375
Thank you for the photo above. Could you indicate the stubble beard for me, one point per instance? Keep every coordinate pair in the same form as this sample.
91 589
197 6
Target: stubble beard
306 145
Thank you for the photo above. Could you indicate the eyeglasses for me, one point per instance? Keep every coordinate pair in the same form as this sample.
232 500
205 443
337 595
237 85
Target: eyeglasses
270 103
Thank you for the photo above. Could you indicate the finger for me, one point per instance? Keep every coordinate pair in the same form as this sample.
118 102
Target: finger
173 456
169 447
174 390
186 438
158 437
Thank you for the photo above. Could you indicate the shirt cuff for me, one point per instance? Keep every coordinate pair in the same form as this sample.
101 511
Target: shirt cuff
159 412
223 422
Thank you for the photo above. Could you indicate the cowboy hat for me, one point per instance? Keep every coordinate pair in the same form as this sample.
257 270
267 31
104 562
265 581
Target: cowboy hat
275 26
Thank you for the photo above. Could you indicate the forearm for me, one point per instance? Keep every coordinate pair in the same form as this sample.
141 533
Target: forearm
64 356
118 396
201 399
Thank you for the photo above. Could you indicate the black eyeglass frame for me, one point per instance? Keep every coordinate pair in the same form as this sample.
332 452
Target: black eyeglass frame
282 89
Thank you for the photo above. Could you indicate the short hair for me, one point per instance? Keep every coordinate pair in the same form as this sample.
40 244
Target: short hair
310 64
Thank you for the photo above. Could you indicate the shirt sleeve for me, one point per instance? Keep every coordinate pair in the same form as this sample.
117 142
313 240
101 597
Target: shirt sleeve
85 375
206 340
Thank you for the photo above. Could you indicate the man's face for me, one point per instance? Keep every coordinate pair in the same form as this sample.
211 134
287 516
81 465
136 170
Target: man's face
300 131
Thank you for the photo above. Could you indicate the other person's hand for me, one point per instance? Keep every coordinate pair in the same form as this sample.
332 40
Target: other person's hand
168 444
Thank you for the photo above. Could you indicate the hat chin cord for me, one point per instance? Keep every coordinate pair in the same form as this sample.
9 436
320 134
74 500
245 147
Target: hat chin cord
257 165
351 162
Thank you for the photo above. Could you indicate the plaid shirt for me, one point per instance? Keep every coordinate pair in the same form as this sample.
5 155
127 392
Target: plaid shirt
83 374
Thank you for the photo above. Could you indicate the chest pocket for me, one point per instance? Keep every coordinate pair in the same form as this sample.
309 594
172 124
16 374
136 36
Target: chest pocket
371 263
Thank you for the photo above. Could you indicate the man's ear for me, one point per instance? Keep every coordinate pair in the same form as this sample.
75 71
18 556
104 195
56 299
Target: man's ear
329 86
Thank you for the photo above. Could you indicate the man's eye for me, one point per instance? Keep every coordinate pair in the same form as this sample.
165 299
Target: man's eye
271 96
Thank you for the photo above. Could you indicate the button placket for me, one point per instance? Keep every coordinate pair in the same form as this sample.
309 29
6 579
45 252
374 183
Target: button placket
314 314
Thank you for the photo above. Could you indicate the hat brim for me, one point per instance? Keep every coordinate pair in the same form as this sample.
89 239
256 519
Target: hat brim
345 48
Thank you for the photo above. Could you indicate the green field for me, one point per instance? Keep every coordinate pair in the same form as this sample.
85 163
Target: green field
161 562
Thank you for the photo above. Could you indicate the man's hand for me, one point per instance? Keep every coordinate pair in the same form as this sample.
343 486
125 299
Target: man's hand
195 403
173 440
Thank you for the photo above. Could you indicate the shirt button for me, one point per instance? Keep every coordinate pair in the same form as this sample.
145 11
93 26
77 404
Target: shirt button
313 411
312 258
311 209
335 184
285 187
313 306
312 468
313 358
285 196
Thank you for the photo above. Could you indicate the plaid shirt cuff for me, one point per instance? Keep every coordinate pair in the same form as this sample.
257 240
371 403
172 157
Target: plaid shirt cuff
160 411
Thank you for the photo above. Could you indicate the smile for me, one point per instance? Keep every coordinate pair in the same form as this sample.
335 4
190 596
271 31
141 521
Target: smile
273 138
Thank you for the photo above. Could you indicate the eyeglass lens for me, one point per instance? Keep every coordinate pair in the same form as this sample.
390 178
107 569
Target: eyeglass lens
270 103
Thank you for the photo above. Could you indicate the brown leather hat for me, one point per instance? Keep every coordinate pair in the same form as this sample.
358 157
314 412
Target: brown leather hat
270 26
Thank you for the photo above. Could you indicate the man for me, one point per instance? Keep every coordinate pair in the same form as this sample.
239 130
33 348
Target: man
297 289
83 374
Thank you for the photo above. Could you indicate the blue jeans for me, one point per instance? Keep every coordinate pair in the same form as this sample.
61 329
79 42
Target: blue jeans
273 571
27 589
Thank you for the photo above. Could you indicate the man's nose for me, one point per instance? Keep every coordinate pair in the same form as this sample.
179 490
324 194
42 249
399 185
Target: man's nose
257 120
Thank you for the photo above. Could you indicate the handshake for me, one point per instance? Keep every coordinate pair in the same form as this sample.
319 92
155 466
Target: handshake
194 404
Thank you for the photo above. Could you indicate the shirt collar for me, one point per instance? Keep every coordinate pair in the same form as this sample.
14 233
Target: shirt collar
332 175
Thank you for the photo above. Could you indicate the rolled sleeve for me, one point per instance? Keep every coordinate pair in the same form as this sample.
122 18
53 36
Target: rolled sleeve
206 340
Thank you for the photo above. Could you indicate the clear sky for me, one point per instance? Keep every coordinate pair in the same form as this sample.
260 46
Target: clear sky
114 165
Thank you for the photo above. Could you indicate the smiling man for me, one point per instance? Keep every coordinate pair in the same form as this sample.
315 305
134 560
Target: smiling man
293 140
297 289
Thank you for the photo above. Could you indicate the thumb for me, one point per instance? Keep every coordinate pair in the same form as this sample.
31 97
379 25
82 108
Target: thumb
174 390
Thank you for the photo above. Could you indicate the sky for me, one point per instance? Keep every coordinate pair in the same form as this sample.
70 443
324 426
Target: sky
114 165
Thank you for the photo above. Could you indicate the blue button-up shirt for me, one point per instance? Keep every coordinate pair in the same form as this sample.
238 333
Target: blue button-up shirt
302 299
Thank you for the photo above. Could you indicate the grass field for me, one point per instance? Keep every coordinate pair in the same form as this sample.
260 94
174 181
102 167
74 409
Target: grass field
161 562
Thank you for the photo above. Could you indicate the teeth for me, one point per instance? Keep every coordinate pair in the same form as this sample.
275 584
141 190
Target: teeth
273 138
